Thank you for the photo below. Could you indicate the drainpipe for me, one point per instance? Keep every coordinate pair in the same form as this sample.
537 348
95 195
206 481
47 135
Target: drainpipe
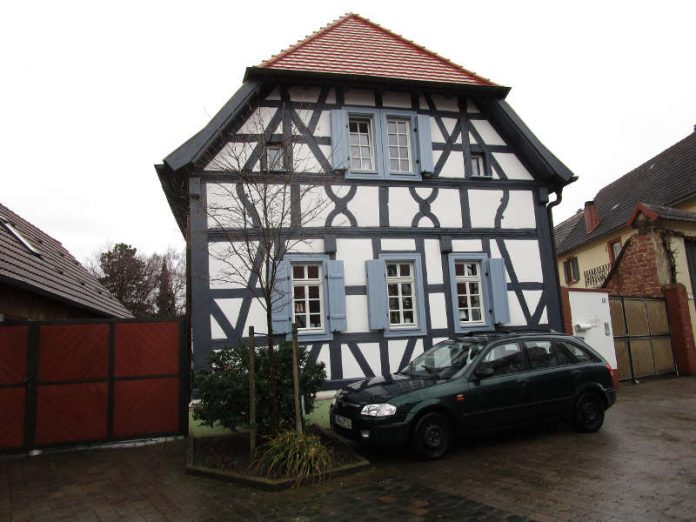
549 207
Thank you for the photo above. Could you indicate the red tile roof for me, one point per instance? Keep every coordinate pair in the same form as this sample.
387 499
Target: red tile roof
353 45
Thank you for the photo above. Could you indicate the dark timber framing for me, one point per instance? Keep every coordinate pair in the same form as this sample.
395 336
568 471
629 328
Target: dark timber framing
186 167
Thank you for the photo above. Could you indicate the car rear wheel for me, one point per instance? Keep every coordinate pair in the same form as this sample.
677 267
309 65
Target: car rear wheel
432 436
589 413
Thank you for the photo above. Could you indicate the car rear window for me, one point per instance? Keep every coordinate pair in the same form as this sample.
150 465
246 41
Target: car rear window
547 354
579 353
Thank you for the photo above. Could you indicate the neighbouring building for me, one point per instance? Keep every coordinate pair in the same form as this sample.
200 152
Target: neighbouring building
41 280
637 239
438 217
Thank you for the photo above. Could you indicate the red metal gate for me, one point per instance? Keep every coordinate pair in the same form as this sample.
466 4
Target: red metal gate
69 382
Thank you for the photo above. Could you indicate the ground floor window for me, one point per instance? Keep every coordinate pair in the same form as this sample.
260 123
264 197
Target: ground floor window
307 294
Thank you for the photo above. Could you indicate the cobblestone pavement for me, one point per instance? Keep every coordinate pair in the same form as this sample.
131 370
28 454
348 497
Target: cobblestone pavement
640 466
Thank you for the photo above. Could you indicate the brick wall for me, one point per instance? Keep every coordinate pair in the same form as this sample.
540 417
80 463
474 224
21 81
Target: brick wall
639 269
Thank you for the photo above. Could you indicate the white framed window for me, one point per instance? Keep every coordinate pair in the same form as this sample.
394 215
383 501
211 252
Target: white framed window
274 158
401 295
362 150
307 297
478 166
400 149
469 292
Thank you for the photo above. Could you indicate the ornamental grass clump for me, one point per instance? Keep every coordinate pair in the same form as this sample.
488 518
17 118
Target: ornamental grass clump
295 455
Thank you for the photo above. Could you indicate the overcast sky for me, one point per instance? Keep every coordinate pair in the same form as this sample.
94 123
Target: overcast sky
94 93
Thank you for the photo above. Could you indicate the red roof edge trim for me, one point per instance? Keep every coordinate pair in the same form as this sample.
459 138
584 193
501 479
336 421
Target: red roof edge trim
642 208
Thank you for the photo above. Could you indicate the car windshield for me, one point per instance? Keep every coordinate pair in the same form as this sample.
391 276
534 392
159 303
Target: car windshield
445 358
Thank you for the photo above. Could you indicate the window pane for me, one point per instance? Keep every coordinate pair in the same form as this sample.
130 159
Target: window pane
506 358
301 321
475 301
299 292
353 126
474 288
393 303
313 271
363 140
394 152
405 269
408 317
472 269
393 289
406 289
392 139
394 164
464 315
408 303
394 318
298 272
314 307
391 270
355 164
459 269
476 314
300 307
315 321
314 292
405 166
461 288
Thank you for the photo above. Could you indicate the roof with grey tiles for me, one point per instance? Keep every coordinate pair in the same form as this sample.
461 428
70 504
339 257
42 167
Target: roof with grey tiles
665 180
43 265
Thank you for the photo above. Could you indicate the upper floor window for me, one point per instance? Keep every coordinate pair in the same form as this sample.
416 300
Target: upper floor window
275 161
478 166
370 143
307 297
362 151
614 248
571 270
400 154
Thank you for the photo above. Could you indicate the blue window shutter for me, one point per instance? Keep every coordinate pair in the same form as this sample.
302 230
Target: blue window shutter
337 296
339 139
501 310
425 144
281 300
377 293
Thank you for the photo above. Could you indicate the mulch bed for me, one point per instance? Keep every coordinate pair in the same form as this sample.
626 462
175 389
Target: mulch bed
227 457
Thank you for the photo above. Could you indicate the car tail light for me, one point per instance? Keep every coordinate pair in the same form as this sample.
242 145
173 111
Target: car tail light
614 376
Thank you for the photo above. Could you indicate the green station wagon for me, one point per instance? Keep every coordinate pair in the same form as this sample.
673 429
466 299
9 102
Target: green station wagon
478 383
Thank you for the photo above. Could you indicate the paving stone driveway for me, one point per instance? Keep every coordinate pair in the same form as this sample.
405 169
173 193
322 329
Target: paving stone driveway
640 466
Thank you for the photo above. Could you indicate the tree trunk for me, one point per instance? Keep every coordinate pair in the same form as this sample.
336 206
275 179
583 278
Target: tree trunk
296 382
272 369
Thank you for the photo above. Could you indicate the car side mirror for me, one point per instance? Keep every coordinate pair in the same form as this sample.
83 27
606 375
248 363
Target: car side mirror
484 371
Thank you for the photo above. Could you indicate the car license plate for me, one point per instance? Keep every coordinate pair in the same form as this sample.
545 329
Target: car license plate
343 422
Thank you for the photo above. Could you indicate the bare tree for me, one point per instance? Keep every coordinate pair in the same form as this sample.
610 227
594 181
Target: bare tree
273 190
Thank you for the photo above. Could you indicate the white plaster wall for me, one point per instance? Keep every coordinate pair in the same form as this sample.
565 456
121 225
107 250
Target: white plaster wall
399 245
323 124
356 314
401 100
445 103
467 245
447 208
258 120
512 166
433 261
230 308
402 208
396 349
304 160
437 135
483 204
317 198
487 132
520 210
532 298
359 97
307 246
351 369
354 253
453 166
525 257
232 157
516 315
438 310
592 309
324 356
365 206
219 270
304 94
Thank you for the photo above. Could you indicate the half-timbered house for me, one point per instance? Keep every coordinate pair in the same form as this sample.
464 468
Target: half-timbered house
438 217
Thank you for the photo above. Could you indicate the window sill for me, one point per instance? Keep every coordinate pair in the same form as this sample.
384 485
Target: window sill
404 332
311 337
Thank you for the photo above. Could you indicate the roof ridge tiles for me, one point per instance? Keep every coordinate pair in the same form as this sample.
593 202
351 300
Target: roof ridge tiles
301 55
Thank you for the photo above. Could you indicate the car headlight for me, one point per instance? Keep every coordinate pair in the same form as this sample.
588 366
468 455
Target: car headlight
378 410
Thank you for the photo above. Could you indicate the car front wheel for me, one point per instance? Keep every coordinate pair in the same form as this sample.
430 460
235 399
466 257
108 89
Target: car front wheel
432 436
589 413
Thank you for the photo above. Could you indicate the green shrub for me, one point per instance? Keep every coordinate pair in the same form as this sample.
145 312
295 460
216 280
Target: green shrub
291 454
224 387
